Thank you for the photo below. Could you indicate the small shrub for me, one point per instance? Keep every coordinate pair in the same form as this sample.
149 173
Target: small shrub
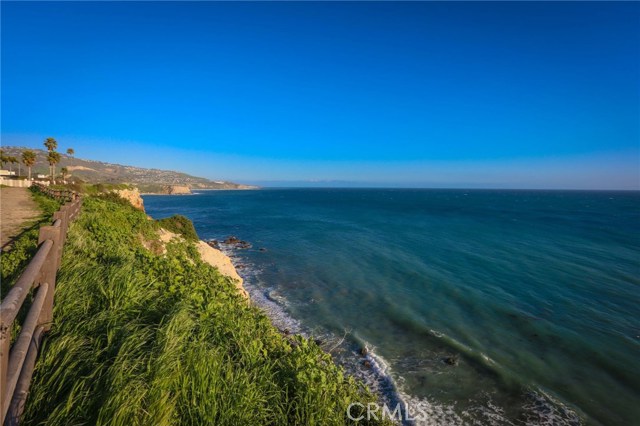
181 225
114 198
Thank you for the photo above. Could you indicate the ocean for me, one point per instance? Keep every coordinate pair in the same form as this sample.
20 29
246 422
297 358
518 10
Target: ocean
487 307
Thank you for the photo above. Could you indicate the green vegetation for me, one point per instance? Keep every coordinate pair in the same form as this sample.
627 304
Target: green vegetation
53 157
29 159
180 225
151 188
100 188
145 339
91 189
25 246
4 159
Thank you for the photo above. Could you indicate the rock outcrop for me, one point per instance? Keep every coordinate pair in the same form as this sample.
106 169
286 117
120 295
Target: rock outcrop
221 261
133 196
208 254
176 190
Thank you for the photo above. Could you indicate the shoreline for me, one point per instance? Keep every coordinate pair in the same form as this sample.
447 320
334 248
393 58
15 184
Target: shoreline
357 357
203 189
268 293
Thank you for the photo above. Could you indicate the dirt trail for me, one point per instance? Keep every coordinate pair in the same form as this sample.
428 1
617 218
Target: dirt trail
17 211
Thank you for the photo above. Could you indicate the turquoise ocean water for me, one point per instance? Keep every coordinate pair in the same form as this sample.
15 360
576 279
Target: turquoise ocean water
533 296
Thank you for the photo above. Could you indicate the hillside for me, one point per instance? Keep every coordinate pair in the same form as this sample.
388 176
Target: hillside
148 180
146 333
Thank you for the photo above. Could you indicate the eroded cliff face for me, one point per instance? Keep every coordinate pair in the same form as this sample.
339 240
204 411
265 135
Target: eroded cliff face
218 259
176 190
133 196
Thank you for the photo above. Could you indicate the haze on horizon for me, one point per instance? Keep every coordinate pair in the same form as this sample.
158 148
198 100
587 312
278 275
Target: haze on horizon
477 95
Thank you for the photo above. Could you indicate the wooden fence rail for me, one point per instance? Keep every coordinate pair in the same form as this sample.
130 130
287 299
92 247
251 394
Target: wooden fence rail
17 360
59 194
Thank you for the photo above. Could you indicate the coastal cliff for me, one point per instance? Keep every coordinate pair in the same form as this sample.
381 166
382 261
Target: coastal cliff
176 190
185 232
208 255
222 262
133 196
149 318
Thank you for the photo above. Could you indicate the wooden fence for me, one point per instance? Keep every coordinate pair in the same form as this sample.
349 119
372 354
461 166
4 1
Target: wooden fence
59 194
17 360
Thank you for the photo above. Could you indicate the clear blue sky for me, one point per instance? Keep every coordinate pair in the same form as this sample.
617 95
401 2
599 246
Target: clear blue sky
504 94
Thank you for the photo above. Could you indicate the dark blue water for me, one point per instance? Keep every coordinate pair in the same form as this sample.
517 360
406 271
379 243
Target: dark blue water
533 295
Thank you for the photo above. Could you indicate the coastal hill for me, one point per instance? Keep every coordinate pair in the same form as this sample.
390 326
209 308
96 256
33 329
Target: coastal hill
147 180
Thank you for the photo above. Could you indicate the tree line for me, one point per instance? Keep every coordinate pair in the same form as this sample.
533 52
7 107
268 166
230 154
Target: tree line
28 158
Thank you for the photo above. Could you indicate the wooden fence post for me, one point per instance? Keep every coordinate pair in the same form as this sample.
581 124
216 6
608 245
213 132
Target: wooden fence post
63 215
5 340
49 271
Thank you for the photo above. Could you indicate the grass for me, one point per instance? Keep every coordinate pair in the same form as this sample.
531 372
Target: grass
25 245
22 250
146 339
180 225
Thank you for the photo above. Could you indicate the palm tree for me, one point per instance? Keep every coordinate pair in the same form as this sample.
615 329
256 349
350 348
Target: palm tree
51 144
29 159
64 171
70 152
11 160
53 158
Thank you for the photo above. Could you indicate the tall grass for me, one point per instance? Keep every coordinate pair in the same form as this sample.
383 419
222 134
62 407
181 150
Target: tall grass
145 339
25 245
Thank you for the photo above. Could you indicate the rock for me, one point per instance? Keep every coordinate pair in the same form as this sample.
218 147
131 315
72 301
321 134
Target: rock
317 342
132 196
367 363
223 263
237 243
214 243
364 351
176 190
286 331
451 360
262 249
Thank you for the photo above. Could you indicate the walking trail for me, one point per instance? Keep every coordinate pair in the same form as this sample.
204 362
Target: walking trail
17 212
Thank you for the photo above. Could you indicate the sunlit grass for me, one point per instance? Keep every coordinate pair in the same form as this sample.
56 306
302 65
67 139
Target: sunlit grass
142 339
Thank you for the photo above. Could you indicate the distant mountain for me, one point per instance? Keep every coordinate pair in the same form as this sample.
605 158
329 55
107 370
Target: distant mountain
147 180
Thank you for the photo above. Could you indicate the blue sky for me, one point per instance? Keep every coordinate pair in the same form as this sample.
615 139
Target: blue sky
506 94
